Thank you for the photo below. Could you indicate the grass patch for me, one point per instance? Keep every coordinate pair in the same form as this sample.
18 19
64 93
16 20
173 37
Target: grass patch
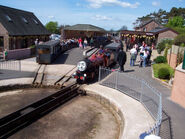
156 68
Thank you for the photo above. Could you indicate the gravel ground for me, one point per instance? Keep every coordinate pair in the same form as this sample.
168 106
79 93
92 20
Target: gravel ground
10 101
81 118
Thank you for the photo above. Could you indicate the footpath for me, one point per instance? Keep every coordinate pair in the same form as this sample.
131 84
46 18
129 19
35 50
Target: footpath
173 110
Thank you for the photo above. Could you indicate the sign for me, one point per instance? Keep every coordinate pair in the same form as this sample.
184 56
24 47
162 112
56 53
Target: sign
183 64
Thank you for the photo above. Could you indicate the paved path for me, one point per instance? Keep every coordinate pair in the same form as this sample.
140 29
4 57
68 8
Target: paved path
71 57
176 112
29 66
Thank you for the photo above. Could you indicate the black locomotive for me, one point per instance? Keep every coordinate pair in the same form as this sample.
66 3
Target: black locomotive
88 68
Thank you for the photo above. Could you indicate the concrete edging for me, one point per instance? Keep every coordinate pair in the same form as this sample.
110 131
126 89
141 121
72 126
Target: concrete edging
133 118
113 108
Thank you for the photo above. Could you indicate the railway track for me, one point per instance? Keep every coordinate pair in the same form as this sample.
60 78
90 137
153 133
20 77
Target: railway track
38 79
67 78
27 115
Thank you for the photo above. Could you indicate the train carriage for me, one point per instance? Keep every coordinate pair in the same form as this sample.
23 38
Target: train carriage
48 51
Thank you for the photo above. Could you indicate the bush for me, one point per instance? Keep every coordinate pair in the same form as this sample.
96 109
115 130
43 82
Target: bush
160 59
163 44
156 68
180 40
32 46
168 46
164 73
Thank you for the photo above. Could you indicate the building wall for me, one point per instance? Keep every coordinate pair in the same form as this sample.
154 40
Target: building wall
172 60
77 34
4 34
178 93
152 25
166 35
19 42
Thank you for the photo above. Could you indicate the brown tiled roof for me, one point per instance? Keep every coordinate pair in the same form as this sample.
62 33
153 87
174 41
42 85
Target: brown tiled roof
85 27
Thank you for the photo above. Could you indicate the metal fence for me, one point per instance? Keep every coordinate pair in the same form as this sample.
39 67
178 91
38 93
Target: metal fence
137 89
10 65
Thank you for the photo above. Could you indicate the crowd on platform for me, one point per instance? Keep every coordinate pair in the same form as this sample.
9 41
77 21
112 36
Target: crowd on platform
83 43
144 52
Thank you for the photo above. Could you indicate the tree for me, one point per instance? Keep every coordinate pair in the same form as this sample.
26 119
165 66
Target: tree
124 27
161 16
52 27
176 21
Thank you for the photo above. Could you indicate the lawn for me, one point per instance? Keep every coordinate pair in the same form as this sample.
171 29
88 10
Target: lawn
156 67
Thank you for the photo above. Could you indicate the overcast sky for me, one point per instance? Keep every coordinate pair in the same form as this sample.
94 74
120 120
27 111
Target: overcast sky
108 14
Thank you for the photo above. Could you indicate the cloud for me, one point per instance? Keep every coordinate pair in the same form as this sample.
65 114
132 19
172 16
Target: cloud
100 17
100 3
155 3
50 16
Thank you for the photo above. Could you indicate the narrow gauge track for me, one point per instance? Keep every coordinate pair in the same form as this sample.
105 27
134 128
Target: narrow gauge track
39 76
27 115
65 78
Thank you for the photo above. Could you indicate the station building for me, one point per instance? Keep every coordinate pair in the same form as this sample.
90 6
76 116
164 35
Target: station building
82 30
19 29
150 32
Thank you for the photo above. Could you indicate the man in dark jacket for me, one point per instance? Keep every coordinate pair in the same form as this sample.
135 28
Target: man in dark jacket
121 59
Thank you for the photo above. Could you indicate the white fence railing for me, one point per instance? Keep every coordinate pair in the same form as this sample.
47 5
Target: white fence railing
137 89
10 65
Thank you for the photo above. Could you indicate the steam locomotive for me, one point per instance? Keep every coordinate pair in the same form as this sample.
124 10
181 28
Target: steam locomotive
89 67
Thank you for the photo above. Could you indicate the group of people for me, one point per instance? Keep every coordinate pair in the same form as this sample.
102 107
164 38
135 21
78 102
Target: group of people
102 56
83 43
144 51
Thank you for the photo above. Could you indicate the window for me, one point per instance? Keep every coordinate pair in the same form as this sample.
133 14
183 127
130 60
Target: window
8 18
24 19
43 51
35 21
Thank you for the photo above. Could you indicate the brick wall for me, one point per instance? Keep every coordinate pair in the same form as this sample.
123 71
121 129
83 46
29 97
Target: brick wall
178 89
19 53
172 55
172 60
4 34
152 25
167 34
77 34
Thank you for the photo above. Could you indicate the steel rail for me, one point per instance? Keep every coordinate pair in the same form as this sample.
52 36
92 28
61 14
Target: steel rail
25 116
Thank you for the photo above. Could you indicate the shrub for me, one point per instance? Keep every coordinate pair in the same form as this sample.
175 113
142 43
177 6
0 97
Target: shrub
163 44
168 46
164 73
160 59
156 68
180 40
32 46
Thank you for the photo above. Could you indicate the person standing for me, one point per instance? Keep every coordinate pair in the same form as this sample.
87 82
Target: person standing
5 54
91 41
133 53
121 59
80 43
145 58
85 43
36 42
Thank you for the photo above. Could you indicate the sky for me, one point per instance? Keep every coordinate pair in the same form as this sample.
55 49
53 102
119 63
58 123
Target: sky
107 14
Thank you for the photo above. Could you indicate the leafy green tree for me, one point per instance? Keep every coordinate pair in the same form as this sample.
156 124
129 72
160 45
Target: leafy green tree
176 21
161 16
52 27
